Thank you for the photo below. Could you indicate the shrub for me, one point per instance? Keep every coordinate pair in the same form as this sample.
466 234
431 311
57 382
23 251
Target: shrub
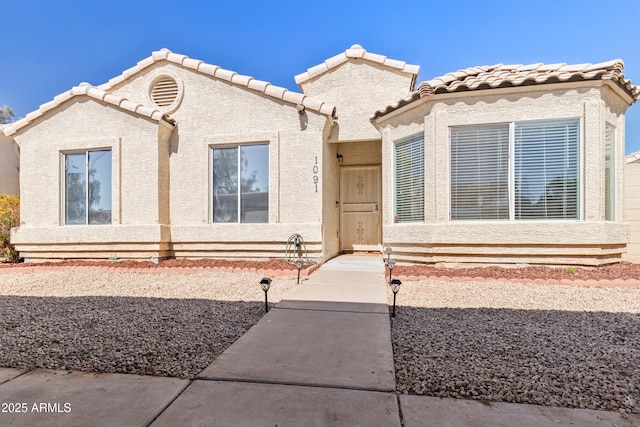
9 217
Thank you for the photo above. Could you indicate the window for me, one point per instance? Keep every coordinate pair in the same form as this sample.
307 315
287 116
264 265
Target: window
480 172
609 173
409 179
87 196
240 184
541 182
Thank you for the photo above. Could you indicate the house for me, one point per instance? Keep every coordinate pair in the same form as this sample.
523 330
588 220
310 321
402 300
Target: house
9 164
632 205
177 157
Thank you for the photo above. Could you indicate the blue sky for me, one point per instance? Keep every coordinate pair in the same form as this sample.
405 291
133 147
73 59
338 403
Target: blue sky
51 46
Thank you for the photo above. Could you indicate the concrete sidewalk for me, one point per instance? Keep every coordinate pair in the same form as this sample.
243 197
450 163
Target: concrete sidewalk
321 357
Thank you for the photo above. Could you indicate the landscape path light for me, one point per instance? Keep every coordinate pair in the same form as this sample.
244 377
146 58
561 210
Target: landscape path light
391 263
265 284
299 263
395 287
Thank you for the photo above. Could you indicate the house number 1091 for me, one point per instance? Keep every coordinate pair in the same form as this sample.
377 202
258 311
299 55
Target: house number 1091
315 174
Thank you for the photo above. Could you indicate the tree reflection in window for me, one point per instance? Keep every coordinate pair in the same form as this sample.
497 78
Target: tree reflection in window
88 201
245 167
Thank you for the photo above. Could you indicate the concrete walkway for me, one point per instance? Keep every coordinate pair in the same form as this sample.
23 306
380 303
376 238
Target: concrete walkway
321 357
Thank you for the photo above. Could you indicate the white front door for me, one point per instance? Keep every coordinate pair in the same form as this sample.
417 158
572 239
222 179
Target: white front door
360 228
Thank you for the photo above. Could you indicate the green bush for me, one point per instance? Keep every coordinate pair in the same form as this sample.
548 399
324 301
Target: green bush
9 217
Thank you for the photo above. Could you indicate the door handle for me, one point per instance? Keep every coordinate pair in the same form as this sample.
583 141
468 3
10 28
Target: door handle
375 207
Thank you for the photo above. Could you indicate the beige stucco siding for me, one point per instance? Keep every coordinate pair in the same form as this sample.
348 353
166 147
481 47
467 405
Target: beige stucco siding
85 124
9 165
590 240
215 113
358 88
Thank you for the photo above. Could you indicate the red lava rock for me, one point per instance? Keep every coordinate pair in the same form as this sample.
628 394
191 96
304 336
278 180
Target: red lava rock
620 274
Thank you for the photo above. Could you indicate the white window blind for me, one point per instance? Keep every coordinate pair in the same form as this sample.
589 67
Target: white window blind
546 169
609 177
480 172
409 180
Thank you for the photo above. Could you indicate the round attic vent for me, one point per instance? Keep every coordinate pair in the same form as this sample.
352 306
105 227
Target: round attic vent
164 91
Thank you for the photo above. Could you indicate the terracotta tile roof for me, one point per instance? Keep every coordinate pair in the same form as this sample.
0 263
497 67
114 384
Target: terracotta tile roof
85 89
501 76
633 157
217 72
357 51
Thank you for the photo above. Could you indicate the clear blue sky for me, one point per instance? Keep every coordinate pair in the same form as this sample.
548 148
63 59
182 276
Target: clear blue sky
51 46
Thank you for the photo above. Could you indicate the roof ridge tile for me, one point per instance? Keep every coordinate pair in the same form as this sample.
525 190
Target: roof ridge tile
355 52
84 89
633 157
208 68
226 75
192 63
275 91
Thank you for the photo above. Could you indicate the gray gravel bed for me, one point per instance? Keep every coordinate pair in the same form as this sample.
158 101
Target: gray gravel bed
546 345
167 324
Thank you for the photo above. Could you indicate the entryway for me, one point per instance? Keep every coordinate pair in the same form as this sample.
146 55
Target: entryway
360 226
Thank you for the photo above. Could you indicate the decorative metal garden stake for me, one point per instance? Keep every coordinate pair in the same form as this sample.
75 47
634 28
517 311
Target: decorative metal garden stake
391 263
299 263
387 250
265 284
395 287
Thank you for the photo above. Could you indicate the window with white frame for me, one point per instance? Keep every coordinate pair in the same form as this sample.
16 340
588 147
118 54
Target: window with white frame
609 173
87 187
409 179
539 180
240 184
480 172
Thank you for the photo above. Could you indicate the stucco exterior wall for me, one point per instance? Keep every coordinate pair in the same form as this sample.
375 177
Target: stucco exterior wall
137 217
358 88
215 113
632 210
9 165
161 179
588 241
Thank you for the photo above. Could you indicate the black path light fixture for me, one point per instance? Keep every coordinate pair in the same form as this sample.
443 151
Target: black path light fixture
395 287
265 284
299 263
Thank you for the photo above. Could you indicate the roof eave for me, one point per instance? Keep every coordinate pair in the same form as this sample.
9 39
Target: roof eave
78 91
391 111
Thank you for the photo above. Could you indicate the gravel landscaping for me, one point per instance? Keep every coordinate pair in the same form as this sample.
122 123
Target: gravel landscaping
168 324
487 340
565 346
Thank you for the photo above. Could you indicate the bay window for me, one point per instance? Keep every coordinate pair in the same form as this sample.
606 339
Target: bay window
515 171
